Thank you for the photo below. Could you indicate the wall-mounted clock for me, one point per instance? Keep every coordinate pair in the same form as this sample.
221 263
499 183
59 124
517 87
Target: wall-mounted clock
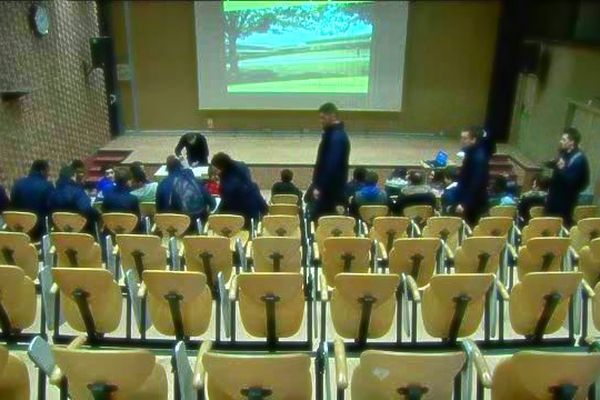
40 19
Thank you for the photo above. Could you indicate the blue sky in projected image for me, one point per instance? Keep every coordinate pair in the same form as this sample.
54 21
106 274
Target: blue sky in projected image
328 27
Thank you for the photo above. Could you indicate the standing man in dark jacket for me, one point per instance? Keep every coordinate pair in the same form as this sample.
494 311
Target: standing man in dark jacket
196 148
31 194
331 168
473 179
120 198
570 176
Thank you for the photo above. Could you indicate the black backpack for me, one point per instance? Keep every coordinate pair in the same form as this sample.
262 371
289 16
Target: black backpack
188 195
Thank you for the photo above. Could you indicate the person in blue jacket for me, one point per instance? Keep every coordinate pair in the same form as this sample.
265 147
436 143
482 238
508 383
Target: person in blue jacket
31 194
69 196
239 194
570 176
473 179
120 198
331 167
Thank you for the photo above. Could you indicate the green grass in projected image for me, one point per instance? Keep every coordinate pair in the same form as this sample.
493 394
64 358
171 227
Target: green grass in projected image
298 46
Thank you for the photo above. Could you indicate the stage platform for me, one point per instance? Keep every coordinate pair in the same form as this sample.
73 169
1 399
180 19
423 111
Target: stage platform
268 152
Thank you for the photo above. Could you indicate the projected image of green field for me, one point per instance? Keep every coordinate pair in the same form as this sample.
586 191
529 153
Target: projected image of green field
298 46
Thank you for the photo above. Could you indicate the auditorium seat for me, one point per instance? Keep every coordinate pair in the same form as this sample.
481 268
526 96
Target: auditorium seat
120 223
448 230
275 254
230 226
170 225
479 255
582 212
537 212
18 303
284 209
368 213
17 221
493 226
541 227
279 225
542 254
419 214
209 255
148 209
387 375
68 222
387 229
586 230
140 253
539 303
285 199
331 226
504 211
180 302
415 257
14 377
16 249
589 262
91 300
76 250
345 254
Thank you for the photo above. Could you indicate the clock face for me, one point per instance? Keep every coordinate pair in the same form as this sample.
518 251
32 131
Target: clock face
41 20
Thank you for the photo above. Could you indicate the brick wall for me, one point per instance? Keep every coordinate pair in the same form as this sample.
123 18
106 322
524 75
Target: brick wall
65 115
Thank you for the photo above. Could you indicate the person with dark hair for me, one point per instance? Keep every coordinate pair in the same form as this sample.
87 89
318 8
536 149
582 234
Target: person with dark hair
473 178
331 167
79 168
359 176
142 188
536 197
196 148
120 199
570 176
180 192
107 182
500 195
449 197
369 194
239 194
417 192
286 186
31 194
69 196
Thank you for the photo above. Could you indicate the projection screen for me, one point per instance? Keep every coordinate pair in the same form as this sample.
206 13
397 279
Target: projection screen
295 55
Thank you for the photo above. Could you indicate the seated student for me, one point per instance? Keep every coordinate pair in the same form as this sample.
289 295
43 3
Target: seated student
120 199
396 181
79 168
500 196
534 197
417 192
180 192
31 194
286 186
239 194
142 188
369 195
107 182
212 184
449 198
69 196
437 180
359 176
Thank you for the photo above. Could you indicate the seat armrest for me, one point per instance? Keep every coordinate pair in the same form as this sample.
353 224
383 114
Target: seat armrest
502 290
573 253
233 289
512 251
249 250
142 291
415 228
341 366
564 231
56 377
382 251
198 381
52 249
312 228
517 230
364 228
316 255
467 229
324 287
54 288
589 291
449 252
483 370
414 289
77 342
153 228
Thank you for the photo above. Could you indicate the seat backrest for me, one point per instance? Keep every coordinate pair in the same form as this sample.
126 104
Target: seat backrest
285 376
381 374
541 227
542 254
345 254
493 226
420 214
76 250
18 221
583 212
16 249
589 262
101 291
440 299
284 199
289 310
118 223
284 209
148 209
171 224
195 300
349 293
281 225
68 222
387 229
333 226
14 376
276 254
504 211
208 255
479 255
226 225
141 252
368 213
527 299
536 212
416 257
446 228
586 230
135 374
17 296
535 374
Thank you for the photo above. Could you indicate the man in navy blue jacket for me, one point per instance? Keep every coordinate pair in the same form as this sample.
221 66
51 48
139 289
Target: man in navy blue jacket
69 196
120 199
331 168
31 194
473 178
570 176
